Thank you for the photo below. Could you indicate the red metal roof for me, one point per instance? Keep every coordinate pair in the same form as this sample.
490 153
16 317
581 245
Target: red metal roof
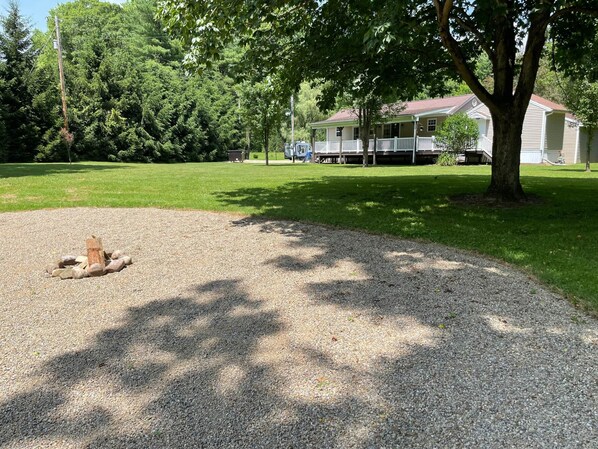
422 106
549 104
411 107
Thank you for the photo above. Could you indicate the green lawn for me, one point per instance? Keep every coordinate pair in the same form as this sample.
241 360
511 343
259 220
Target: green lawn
555 240
272 155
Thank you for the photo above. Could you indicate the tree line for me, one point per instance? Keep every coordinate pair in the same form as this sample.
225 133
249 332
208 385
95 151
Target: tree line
129 97
135 93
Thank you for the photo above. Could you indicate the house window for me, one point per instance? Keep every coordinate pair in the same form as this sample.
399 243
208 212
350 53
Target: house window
339 132
355 133
431 125
387 132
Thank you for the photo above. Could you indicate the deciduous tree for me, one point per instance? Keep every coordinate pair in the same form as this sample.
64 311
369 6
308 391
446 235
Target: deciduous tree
582 100
500 29
466 28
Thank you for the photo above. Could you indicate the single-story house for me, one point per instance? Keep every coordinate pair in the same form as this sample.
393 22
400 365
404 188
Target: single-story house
575 142
549 132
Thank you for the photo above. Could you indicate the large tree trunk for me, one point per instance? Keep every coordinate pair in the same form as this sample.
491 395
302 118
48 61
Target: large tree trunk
506 156
506 103
365 147
364 133
266 143
589 149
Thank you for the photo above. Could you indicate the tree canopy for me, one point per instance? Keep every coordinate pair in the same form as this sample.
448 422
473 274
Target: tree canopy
346 37
129 96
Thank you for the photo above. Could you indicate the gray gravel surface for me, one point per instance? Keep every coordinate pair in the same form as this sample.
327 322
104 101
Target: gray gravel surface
231 332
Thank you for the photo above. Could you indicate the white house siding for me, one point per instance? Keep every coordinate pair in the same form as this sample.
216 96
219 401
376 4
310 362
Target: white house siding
468 105
531 137
555 129
407 129
347 134
489 129
583 142
570 152
423 125
558 137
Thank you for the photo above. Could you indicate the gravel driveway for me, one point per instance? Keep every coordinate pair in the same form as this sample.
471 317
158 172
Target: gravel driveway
231 332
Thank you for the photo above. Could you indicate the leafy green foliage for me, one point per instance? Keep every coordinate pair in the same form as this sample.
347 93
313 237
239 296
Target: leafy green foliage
551 83
457 134
582 100
263 109
129 97
446 159
575 38
580 87
3 146
306 111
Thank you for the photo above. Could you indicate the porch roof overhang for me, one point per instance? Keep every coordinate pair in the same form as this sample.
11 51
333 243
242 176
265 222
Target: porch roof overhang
324 124
478 115
407 118
435 112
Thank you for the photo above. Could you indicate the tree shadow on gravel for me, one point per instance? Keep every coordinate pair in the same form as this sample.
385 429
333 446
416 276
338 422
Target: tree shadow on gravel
550 237
458 364
195 356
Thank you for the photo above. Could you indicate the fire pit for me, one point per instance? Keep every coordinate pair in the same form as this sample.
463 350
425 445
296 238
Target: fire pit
96 262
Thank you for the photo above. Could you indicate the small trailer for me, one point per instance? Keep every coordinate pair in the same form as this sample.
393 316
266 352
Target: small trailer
302 151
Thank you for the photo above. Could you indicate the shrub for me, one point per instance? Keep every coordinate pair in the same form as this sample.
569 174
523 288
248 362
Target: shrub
458 134
447 159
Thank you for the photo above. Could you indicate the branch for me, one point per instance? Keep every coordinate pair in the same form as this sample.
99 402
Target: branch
442 12
469 27
531 58
569 9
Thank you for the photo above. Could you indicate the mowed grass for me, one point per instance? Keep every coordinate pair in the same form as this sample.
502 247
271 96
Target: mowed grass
556 239
272 155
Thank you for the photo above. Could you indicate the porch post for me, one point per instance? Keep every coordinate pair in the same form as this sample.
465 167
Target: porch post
375 144
340 146
415 137
396 144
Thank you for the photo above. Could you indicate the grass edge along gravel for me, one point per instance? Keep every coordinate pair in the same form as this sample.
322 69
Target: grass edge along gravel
555 239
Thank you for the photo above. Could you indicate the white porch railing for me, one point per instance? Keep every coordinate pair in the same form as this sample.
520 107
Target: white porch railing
485 144
397 144
426 144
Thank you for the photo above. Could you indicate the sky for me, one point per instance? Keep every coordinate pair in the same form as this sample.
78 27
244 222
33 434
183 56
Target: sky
37 10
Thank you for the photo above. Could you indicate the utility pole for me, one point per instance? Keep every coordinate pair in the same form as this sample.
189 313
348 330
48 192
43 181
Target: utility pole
293 126
62 86
248 137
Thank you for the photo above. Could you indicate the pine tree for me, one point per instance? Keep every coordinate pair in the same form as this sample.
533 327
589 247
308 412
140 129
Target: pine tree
17 56
3 147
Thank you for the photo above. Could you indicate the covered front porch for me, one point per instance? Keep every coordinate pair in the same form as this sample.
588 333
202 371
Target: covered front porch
395 145
412 149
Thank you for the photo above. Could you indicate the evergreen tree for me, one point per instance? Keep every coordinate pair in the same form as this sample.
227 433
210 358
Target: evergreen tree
16 52
129 97
3 147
